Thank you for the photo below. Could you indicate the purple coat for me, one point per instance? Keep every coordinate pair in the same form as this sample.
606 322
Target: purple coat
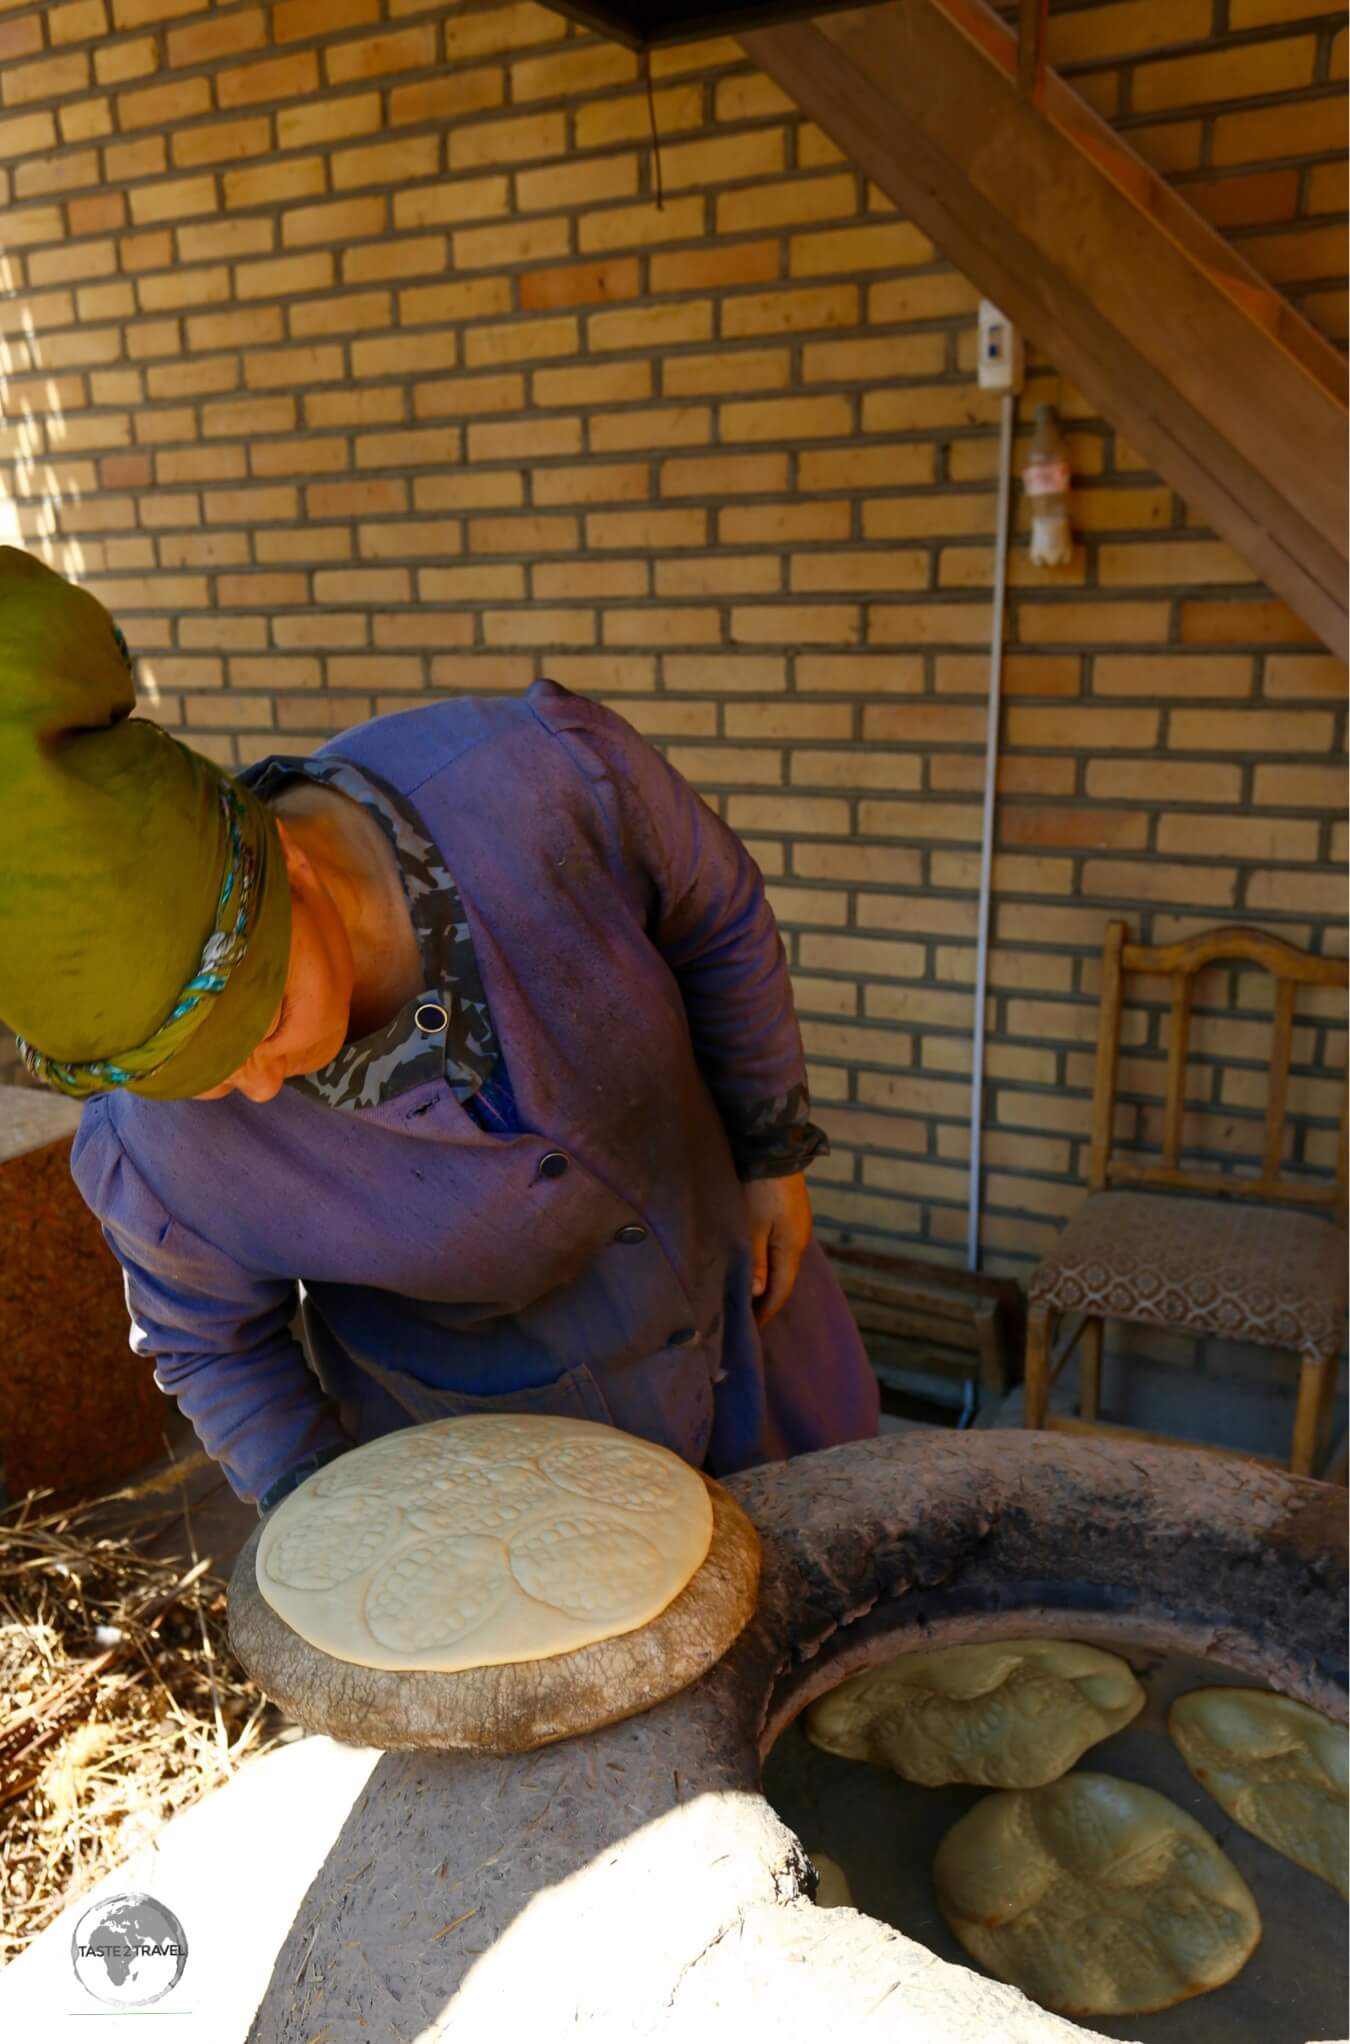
636 979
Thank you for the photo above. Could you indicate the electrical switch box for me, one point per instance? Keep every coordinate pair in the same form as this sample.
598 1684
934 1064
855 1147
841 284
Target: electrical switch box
1001 355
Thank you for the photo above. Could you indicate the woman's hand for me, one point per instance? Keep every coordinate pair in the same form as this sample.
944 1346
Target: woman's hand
780 1228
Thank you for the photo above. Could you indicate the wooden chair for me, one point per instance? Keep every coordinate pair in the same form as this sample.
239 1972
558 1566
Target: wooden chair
1216 1264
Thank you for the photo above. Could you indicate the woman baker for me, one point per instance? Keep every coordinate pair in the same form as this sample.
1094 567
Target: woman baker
474 1029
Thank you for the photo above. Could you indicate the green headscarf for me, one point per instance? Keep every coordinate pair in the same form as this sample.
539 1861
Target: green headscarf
145 911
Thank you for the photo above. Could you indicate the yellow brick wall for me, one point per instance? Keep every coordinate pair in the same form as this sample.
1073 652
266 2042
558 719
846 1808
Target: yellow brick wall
347 355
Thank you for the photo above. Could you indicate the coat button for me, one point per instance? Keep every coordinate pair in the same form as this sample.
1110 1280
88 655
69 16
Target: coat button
633 1232
552 1164
683 1337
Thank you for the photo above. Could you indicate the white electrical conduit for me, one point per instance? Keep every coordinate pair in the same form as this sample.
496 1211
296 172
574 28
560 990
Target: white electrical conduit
987 831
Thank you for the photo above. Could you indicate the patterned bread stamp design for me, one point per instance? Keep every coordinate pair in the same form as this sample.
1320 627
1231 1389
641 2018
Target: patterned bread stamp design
612 1473
589 1565
336 1539
477 1500
435 1594
380 1470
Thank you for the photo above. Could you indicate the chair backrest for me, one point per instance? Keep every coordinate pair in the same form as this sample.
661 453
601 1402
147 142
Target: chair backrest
1181 962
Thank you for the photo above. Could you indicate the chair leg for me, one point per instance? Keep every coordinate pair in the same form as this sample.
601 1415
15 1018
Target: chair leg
1090 1368
1316 1379
1036 1386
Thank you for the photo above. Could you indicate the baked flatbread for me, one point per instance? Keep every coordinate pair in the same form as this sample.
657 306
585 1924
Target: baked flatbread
1096 1897
1277 1768
1009 1714
470 1543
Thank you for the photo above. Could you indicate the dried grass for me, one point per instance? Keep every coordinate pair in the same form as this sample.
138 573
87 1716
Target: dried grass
123 1702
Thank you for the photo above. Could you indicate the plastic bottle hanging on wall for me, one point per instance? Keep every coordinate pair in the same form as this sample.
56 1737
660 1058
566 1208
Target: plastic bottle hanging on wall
1046 480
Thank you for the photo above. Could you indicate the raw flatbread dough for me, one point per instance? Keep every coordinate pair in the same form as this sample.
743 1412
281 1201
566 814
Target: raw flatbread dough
469 1543
1010 1714
832 1889
1277 1768
1096 1897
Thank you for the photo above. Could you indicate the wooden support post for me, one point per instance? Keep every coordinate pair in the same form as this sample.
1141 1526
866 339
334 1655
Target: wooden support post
1239 402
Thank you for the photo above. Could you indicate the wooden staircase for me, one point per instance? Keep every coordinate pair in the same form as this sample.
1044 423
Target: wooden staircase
1213 375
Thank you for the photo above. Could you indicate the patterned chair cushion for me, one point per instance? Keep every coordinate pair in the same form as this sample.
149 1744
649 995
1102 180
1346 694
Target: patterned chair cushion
1257 1274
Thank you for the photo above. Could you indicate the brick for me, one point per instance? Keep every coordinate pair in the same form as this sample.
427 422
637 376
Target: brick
164 106
1083 729
791 721
687 626
1163 781
414 448
1317 676
790 311
44 178
310 546
653 327
397 540
1219 76
284 368
504 28
618 432
298 20
900 299
1325 189
506 243
1238 837
124 60
107 301
922 819
524 439
733 369
446 98
920 624
327 120
791 624
1096 829
892 245
273 183
204 550
1172 676
467 490
400 257
626 118
224 240
27 135
890 771
211 330
176 200
776 524
470 298
282 275
712 268
867 467
924 723
572 73
1312 127
248 416
352 498
468 198
1144 880
77 22
1261 731
537 338
606 383
577 183
379 56
725 766
1300 893
1091 624
381 163
525 138
595 483
206 42
786 418
523 535
539 627
478 584
736 575
52 78
181 288
648 530
297 457
633 226
792 203
720 475
876 568
1171 561
275 78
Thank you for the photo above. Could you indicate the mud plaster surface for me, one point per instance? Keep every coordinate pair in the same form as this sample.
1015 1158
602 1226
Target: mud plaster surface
636 1883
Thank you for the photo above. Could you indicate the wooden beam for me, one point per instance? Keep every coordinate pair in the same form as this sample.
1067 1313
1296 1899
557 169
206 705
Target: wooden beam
1031 24
1211 373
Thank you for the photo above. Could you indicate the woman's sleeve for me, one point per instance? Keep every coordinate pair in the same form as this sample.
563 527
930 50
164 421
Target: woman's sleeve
707 914
219 1335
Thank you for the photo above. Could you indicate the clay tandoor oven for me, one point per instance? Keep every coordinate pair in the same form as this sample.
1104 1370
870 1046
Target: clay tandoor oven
635 1883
